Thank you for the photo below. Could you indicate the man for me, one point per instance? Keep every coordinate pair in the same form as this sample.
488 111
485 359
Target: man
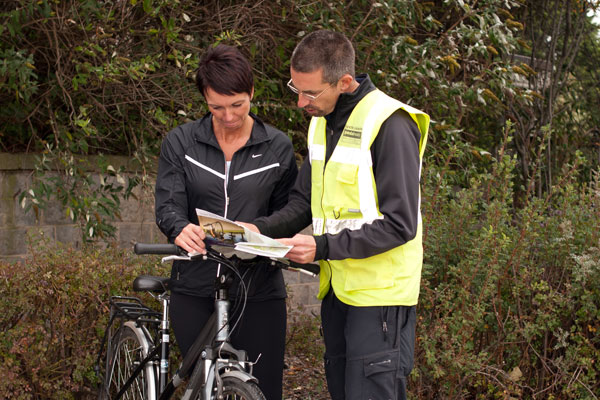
360 186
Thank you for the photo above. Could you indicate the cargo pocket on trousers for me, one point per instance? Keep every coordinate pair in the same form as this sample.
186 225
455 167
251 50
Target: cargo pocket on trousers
380 376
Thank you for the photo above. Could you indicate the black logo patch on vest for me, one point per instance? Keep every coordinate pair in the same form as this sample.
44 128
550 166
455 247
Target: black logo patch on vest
351 135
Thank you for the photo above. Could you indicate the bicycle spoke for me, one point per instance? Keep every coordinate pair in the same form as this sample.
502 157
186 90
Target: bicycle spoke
128 353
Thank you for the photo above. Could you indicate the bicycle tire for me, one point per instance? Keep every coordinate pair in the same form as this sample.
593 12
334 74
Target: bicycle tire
236 389
129 347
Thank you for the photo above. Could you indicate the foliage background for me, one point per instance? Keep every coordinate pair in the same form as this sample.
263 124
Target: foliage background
509 303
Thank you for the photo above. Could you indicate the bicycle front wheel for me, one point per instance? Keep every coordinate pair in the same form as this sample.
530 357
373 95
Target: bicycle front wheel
236 389
129 347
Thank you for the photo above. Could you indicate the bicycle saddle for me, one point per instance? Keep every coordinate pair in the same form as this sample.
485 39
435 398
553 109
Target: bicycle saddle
149 283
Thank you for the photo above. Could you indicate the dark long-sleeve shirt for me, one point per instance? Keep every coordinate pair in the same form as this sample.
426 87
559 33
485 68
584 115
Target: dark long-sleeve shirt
396 166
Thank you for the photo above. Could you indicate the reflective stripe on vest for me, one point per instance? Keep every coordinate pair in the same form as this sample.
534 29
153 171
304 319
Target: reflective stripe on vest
344 196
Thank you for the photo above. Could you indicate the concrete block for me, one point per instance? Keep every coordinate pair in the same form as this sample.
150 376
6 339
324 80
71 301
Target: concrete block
145 196
305 294
148 211
12 183
68 234
305 278
157 236
139 207
23 180
297 310
13 241
130 233
313 290
21 217
55 214
291 277
131 210
299 295
7 212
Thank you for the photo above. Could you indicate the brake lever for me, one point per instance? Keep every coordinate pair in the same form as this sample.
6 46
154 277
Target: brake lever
303 271
287 264
170 258
186 257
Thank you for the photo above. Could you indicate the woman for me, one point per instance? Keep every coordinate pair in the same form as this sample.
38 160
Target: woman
232 164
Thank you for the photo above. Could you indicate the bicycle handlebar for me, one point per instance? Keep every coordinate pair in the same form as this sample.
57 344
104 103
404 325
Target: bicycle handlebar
174 250
155 248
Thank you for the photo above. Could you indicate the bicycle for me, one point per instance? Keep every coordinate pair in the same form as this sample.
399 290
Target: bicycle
136 344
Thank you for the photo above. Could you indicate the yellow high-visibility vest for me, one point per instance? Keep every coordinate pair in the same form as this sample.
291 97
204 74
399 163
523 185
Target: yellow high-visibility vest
344 195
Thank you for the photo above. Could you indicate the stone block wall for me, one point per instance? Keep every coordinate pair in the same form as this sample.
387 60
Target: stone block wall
16 171
136 225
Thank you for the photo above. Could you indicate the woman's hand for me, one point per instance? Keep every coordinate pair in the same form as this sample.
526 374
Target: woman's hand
191 239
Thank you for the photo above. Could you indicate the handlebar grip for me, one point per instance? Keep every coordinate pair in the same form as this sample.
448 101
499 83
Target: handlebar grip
313 268
157 248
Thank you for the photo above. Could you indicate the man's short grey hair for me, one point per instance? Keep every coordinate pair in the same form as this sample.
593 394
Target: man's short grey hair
329 50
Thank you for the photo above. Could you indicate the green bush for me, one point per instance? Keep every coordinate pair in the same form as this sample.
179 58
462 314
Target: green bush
54 311
510 298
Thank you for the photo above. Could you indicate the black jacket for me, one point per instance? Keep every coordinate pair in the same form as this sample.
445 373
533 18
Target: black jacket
191 174
395 155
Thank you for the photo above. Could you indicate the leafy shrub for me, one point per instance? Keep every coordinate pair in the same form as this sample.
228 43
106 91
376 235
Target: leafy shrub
54 311
510 297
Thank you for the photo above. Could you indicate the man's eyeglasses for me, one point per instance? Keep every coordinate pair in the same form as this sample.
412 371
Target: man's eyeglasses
310 97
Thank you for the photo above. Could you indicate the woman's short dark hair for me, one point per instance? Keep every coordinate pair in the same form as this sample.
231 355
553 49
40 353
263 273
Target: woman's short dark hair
225 70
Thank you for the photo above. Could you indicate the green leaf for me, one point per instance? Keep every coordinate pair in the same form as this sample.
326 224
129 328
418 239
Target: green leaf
147 5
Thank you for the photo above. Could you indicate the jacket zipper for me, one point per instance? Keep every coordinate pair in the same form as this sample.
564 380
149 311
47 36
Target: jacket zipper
227 173
226 199
323 178
325 160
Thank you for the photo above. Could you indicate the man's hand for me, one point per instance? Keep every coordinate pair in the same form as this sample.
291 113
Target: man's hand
304 249
191 239
248 225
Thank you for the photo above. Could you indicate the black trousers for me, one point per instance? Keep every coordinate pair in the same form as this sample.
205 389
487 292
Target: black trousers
369 351
261 331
